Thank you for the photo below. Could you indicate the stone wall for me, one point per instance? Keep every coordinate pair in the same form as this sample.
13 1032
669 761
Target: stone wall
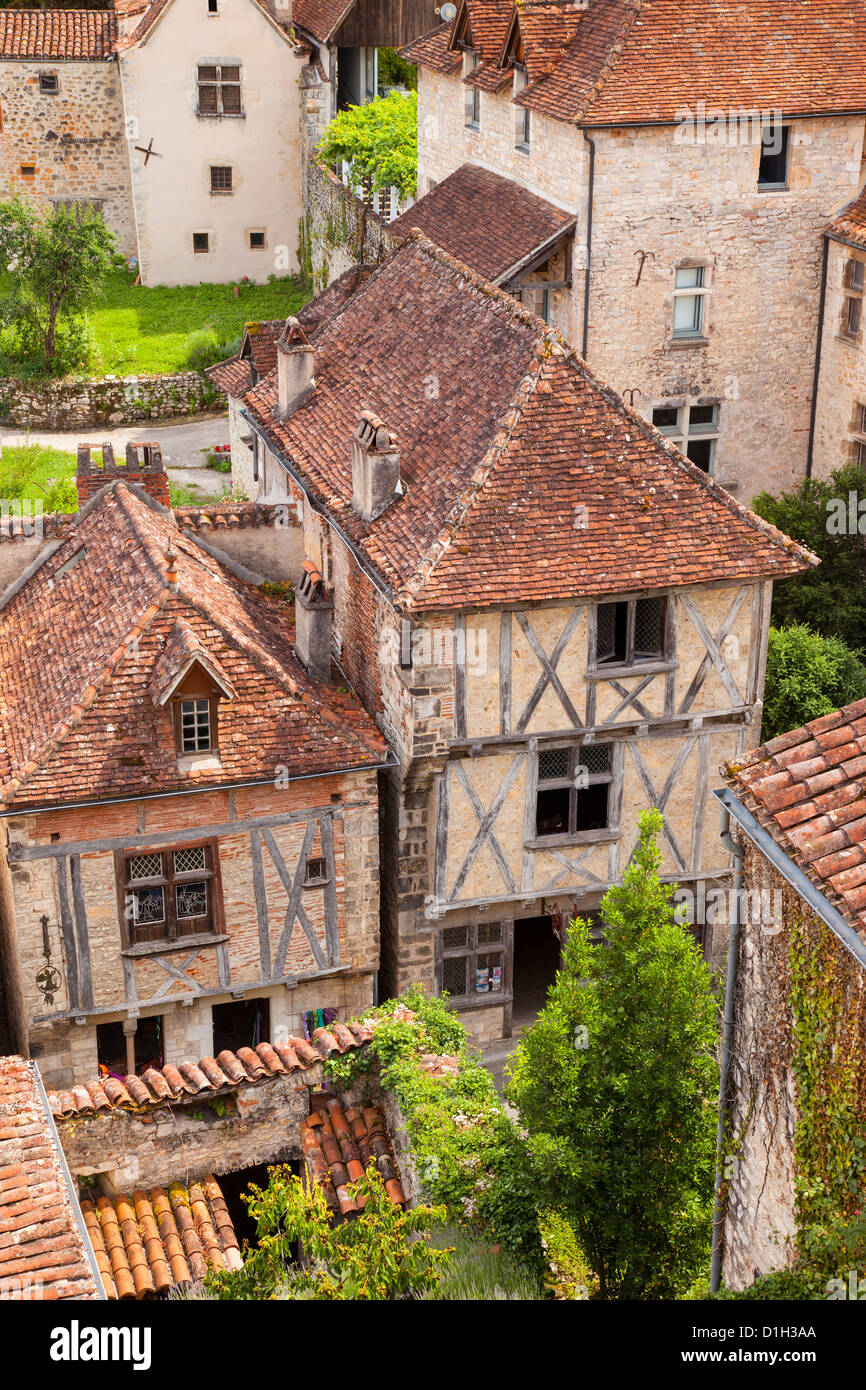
842 381
659 201
339 230
74 137
110 400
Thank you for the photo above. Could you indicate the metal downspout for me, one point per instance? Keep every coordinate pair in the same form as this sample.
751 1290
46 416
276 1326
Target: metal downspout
814 410
589 199
727 1039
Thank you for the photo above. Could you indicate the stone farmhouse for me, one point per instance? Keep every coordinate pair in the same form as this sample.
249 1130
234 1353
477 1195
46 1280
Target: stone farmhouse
184 120
554 618
797 808
189 820
699 153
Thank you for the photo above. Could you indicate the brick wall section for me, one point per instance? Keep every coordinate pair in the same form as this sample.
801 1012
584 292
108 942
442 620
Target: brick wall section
71 405
67 1051
75 138
90 476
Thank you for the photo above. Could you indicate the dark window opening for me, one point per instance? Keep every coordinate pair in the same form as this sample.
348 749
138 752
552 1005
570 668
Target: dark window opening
245 1023
28 171
666 417
630 631
700 453
146 1046
49 83
232 1185
773 166
257 241
573 790
200 242
212 7
317 872
537 953
220 178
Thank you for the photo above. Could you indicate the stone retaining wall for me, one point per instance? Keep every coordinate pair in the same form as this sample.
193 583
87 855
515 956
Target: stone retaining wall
340 231
110 400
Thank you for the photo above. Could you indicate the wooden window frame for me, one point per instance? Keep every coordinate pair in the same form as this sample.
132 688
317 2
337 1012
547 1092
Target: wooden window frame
257 231
630 661
472 110
220 86
170 930
201 250
213 724
218 171
854 286
569 781
504 949
683 432
698 293
776 186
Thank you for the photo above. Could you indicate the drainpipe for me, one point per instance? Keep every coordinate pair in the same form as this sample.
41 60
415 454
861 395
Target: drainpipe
591 144
817 372
727 1038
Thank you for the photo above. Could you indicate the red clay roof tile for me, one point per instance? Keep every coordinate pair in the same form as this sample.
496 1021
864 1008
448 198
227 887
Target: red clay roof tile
85 35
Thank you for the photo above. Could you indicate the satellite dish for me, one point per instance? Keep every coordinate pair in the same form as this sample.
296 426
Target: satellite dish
447 12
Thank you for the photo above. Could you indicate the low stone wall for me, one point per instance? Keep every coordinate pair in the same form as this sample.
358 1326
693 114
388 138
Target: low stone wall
110 400
338 231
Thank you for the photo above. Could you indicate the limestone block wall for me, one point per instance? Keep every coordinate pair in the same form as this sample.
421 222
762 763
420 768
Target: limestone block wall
67 1049
340 231
842 380
110 400
75 138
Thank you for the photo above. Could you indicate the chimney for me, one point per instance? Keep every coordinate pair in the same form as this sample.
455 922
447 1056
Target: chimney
375 467
143 467
313 611
296 360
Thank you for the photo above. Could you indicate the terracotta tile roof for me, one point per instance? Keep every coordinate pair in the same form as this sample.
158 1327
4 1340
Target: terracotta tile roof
339 1143
432 50
232 376
512 437
152 1241
321 18
488 221
78 644
43 1249
850 223
625 62
211 518
808 789
489 22
86 35
227 1072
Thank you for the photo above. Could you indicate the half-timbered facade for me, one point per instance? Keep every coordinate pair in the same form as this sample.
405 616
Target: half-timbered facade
556 620
189 820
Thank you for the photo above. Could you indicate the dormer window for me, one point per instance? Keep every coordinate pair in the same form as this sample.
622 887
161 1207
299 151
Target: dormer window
195 726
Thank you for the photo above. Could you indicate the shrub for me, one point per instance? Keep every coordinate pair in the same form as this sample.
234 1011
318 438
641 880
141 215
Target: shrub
807 675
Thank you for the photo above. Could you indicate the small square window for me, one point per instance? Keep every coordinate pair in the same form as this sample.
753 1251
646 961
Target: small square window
773 165
49 83
220 178
28 171
317 872
258 241
212 7
200 242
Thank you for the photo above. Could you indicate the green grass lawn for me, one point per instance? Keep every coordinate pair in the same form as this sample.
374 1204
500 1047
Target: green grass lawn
31 470
138 330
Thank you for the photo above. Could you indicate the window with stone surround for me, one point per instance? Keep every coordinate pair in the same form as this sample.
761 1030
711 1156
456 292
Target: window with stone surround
773 161
857 444
168 893
573 790
522 118
201 243
219 90
473 96
258 240
49 83
853 282
694 428
690 291
471 961
220 178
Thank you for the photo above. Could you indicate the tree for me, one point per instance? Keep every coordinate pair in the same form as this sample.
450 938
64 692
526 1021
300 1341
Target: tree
807 675
381 1253
59 260
830 599
616 1083
379 141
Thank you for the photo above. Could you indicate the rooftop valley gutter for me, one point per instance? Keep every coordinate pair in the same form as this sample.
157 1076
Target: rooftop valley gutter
322 510
725 1054
814 408
589 197
733 809
31 810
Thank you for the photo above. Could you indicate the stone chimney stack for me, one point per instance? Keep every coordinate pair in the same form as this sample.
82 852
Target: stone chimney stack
313 610
143 467
375 467
296 361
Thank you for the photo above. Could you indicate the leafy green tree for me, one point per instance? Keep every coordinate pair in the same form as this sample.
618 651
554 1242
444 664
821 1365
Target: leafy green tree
379 140
616 1083
382 1253
807 675
831 599
59 260
394 71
